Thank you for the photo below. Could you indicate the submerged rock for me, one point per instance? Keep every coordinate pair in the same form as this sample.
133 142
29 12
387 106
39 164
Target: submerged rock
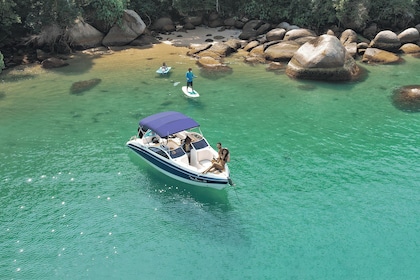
407 98
81 86
53 62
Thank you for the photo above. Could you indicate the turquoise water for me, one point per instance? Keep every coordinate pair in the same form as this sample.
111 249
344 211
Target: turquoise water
327 175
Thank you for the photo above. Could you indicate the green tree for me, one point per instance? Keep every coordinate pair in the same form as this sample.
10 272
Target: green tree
107 11
8 15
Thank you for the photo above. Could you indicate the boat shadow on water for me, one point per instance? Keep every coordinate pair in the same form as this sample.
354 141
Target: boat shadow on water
169 188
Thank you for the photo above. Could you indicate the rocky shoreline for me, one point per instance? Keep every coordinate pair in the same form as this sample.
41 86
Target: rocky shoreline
305 54
301 52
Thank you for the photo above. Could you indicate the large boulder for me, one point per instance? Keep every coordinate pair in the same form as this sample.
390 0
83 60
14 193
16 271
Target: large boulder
83 35
132 26
222 49
386 40
410 35
282 51
348 36
250 29
324 58
373 55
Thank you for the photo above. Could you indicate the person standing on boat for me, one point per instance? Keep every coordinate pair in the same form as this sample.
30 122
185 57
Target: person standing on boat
219 151
190 76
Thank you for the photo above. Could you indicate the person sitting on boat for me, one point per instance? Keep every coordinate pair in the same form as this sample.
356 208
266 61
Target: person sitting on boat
220 163
164 67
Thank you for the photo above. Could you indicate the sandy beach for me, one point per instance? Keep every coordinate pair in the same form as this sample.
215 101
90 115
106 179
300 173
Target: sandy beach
199 35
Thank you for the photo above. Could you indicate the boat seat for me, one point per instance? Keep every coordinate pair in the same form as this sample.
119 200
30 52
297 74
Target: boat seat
201 158
172 144
183 159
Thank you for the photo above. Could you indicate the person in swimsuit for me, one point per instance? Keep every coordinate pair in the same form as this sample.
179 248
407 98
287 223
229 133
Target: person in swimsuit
220 163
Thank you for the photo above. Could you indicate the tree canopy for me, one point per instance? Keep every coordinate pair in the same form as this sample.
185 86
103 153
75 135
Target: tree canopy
32 15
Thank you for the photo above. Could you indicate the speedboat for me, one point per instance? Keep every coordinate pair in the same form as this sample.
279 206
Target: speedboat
162 141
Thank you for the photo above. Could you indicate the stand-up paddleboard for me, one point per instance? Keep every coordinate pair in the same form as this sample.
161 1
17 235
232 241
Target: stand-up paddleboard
163 71
190 92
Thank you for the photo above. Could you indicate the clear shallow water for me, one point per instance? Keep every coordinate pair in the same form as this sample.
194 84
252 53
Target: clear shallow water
327 175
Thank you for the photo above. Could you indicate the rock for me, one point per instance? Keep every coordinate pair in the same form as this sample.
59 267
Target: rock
83 35
250 29
264 28
198 48
215 23
282 51
324 58
410 48
248 35
275 66
410 35
287 26
194 20
275 34
229 22
163 24
235 43
348 36
251 45
81 86
144 40
53 62
351 48
298 33
386 40
189 26
209 62
239 24
373 55
131 27
257 51
407 98
222 49
208 53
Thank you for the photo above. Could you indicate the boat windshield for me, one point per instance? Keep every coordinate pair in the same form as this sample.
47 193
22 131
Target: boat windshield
149 133
200 144
159 151
177 153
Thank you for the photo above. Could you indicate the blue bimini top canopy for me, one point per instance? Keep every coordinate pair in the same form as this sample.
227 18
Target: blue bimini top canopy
167 123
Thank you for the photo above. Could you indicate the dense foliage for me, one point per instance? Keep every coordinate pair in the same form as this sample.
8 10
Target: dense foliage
316 14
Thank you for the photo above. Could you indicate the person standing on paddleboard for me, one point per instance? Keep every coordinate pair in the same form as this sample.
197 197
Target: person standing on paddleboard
190 76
